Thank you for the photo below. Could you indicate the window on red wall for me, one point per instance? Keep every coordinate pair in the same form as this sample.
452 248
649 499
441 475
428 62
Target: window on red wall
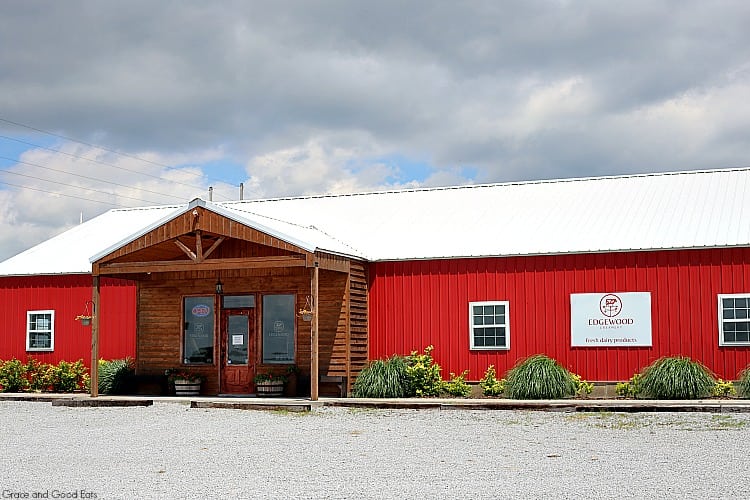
489 327
734 319
40 330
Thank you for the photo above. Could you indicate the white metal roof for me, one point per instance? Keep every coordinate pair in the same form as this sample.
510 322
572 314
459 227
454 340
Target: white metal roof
699 209
69 252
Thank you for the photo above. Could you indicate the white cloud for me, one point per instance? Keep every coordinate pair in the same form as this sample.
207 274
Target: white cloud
61 187
319 97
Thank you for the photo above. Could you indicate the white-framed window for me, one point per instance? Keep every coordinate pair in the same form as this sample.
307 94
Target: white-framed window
489 327
40 330
734 319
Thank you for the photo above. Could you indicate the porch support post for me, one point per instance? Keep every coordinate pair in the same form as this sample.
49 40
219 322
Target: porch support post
314 375
94 386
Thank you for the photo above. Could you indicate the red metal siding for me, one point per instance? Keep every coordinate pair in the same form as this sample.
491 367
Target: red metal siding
67 296
417 303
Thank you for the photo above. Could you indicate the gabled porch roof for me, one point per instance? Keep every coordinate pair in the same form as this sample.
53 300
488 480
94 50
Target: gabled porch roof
201 218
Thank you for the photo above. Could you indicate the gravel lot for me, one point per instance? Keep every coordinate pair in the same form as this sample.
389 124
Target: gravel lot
171 451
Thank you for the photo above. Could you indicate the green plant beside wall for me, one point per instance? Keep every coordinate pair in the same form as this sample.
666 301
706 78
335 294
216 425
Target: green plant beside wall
70 377
724 389
13 376
630 388
424 373
583 387
490 385
457 385
114 375
41 376
539 377
383 379
676 378
744 383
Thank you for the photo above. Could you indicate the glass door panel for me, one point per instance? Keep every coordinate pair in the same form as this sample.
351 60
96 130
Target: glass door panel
237 336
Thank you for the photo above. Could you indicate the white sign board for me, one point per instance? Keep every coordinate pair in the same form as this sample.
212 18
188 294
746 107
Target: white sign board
610 319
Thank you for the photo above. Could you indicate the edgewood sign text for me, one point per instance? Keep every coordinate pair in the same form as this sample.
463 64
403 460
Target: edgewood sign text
610 319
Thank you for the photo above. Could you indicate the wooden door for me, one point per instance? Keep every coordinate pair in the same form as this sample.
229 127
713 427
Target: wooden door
237 356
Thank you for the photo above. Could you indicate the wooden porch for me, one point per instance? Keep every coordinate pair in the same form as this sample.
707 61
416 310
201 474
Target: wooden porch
200 247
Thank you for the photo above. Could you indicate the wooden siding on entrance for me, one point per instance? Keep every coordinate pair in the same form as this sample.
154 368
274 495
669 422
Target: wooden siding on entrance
188 254
160 334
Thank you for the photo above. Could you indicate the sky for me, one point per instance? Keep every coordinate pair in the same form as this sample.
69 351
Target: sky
108 104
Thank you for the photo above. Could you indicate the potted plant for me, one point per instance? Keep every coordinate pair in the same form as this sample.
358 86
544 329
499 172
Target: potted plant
186 382
269 384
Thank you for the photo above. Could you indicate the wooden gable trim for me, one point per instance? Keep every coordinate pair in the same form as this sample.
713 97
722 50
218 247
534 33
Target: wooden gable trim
207 265
198 255
332 262
200 222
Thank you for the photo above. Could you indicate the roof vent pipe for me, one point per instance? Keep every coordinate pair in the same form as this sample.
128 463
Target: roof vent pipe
242 191
210 193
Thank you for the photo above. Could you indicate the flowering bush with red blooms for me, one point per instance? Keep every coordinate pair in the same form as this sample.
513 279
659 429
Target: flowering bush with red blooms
183 374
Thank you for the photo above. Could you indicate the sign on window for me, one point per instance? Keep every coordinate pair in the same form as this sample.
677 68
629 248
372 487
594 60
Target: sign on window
278 328
199 330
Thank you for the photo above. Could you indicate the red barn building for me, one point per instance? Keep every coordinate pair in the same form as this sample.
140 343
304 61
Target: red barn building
603 274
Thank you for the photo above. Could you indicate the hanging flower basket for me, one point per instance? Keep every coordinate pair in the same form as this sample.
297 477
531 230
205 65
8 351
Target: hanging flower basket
306 313
84 319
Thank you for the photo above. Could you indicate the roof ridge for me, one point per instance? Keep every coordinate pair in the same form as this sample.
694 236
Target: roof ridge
489 184
148 207
256 214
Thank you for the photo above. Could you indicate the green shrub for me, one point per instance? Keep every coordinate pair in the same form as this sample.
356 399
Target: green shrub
424 374
628 389
457 385
70 377
41 375
113 375
583 387
723 389
490 385
539 377
383 379
744 383
13 376
676 378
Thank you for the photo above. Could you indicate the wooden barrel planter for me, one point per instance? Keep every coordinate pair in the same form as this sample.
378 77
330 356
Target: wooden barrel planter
270 388
184 387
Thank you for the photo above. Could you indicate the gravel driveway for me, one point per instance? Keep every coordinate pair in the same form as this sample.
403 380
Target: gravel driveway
171 451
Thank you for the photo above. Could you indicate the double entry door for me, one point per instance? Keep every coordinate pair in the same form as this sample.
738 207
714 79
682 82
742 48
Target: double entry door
237 350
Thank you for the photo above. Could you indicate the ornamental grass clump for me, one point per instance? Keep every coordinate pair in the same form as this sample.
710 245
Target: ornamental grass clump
539 377
383 379
744 383
676 378
113 375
